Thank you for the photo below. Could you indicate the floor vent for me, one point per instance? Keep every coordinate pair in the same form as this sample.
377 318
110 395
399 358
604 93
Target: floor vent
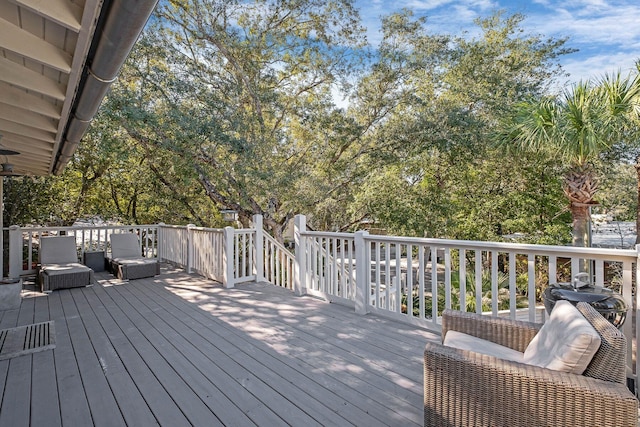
27 339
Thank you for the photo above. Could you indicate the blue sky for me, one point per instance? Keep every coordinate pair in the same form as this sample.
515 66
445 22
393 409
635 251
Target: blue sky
607 33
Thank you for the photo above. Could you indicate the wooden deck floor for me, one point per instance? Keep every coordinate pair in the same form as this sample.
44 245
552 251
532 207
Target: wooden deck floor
180 350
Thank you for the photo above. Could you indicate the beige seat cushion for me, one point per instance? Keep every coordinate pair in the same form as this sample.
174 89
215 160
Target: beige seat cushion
69 268
566 342
464 341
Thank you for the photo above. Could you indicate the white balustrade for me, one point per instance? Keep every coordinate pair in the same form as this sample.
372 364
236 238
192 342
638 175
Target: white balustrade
408 279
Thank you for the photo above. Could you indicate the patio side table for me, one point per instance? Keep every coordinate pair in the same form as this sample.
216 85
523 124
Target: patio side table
95 260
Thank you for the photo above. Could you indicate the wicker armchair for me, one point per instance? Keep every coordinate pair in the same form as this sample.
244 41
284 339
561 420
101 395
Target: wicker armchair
59 267
127 262
464 388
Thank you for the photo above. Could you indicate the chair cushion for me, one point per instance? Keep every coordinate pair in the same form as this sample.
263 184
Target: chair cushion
566 342
125 245
135 261
69 268
464 341
58 250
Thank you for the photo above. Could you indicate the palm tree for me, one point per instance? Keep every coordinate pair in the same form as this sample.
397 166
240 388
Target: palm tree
578 127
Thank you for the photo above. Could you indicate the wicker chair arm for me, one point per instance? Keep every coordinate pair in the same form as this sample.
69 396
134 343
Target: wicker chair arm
515 334
464 388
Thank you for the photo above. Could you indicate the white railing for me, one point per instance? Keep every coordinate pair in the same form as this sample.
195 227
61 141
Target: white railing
25 242
330 266
279 263
173 245
408 279
244 266
414 279
225 255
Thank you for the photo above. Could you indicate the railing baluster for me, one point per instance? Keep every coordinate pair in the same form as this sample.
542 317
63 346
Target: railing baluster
478 279
512 285
494 283
462 272
531 275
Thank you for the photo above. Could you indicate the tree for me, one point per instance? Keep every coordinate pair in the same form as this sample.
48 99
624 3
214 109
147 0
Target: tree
236 92
578 127
442 97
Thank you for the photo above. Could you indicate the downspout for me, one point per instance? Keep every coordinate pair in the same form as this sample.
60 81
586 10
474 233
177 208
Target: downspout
119 26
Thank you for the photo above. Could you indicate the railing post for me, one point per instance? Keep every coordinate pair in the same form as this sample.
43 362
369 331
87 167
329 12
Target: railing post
259 247
15 251
227 257
190 247
363 279
300 267
160 242
637 313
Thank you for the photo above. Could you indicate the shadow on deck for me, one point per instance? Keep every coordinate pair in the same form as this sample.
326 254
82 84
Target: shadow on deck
178 350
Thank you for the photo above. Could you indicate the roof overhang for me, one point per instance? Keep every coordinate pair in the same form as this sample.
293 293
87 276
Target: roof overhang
57 61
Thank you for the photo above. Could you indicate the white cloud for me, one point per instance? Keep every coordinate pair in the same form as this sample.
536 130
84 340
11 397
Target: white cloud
594 67
606 32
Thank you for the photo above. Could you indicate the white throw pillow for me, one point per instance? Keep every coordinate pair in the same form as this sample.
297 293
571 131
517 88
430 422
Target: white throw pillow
566 342
463 341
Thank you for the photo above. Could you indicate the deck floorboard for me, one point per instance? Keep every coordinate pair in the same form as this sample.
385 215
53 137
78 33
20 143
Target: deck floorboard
178 349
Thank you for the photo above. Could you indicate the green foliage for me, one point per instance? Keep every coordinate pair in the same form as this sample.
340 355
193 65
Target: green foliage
503 296
231 104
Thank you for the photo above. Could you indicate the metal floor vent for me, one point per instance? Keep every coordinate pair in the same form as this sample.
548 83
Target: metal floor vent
27 339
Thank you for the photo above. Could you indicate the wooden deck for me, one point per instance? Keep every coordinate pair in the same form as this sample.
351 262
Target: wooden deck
180 350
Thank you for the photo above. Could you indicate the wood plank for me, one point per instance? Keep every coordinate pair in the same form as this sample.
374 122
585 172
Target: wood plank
182 350
348 359
26 44
17 393
27 118
74 408
231 376
62 12
102 404
25 131
17 389
278 369
165 363
19 98
164 408
134 409
45 404
219 389
9 320
17 75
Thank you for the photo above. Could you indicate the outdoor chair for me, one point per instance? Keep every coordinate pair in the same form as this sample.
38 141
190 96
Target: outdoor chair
469 388
127 262
59 267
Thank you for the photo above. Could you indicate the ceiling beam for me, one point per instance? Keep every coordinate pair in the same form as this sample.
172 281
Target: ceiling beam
19 98
21 42
62 12
27 118
17 75
28 161
13 127
23 144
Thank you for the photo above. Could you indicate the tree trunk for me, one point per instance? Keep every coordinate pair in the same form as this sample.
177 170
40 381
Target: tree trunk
581 220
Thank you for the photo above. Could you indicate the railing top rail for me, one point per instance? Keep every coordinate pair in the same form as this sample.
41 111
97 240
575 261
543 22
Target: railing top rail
277 244
243 230
505 246
327 234
173 226
81 227
208 229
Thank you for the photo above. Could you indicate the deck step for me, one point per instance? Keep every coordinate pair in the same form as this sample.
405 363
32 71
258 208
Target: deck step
27 339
